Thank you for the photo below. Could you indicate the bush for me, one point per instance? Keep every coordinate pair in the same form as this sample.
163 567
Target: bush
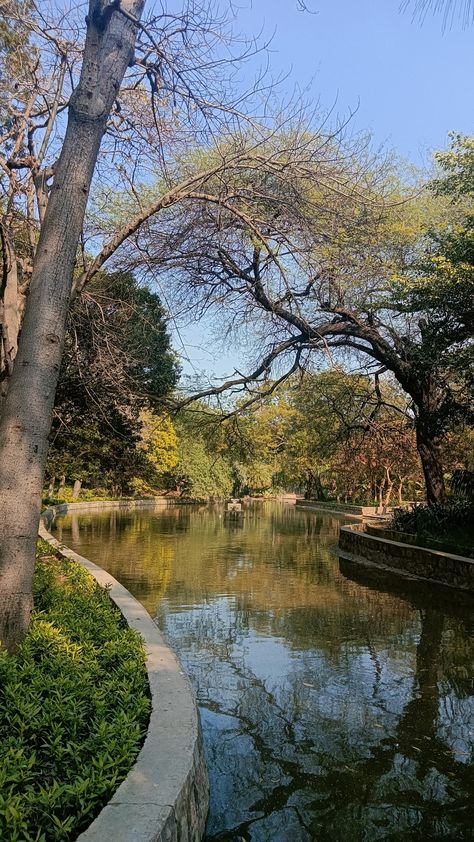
449 526
74 706
85 495
462 482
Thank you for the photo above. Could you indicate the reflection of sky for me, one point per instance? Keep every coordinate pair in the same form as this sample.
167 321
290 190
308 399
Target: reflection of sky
456 725
329 709
268 707
356 699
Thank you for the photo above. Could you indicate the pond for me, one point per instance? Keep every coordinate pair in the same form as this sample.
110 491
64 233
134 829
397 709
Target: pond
334 703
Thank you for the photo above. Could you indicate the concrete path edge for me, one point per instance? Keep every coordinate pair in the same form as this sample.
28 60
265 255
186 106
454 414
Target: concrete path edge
165 796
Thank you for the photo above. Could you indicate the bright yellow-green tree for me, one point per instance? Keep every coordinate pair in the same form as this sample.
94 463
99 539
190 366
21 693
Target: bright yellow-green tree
159 441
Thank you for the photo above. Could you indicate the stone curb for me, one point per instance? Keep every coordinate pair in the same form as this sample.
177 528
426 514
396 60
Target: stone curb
165 796
323 510
409 560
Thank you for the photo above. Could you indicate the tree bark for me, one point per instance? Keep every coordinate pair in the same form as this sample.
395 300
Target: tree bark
318 486
51 488
388 487
401 483
381 490
308 494
77 489
28 405
431 464
9 311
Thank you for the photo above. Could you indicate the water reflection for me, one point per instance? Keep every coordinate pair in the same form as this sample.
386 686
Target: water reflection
333 704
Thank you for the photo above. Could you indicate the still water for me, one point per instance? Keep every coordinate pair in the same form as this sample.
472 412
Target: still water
334 705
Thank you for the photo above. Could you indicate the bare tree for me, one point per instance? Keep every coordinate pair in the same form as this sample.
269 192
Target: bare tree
308 270
450 10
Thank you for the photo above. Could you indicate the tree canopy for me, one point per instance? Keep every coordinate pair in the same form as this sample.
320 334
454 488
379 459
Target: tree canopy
383 286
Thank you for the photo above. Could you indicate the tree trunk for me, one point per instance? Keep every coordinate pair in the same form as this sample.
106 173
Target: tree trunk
77 489
9 311
62 485
320 495
388 486
28 406
431 464
370 492
381 492
51 488
308 495
400 490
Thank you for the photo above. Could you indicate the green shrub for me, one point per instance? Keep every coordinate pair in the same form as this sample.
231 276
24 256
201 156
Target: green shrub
449 526
86 495
74 706
462 482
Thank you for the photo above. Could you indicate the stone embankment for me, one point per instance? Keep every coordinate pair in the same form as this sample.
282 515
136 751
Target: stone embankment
165 796
333 507
370 545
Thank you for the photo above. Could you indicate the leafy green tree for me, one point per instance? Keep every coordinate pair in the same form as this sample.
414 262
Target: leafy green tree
159 441
199 473
118 368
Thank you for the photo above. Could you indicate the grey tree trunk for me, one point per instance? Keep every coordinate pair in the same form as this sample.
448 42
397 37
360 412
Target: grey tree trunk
77 489
28 405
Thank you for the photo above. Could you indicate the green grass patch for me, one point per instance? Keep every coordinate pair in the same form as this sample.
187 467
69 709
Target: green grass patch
74 707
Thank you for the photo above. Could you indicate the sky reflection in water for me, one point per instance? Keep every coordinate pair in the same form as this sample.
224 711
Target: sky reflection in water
334 705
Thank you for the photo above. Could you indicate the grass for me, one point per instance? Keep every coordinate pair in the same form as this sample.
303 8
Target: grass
74 707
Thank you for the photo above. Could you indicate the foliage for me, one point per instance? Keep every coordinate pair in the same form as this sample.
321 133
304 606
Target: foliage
449 526
159 442
330 434
74 707
118 364
383 283
254 477
67 496
462 482
437 287
202 469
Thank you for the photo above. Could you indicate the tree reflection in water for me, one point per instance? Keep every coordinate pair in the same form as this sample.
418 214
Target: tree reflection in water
332 704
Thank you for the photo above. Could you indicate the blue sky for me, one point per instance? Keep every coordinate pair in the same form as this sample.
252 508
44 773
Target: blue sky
410 82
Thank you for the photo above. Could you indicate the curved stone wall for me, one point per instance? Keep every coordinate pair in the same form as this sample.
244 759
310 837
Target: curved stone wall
165 796
356 544
332 507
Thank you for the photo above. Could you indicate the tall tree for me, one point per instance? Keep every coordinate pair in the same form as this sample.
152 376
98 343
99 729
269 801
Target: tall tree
28 405
370 284
117 365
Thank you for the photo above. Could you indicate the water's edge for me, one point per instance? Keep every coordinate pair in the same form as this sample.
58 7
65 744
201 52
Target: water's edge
165 796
